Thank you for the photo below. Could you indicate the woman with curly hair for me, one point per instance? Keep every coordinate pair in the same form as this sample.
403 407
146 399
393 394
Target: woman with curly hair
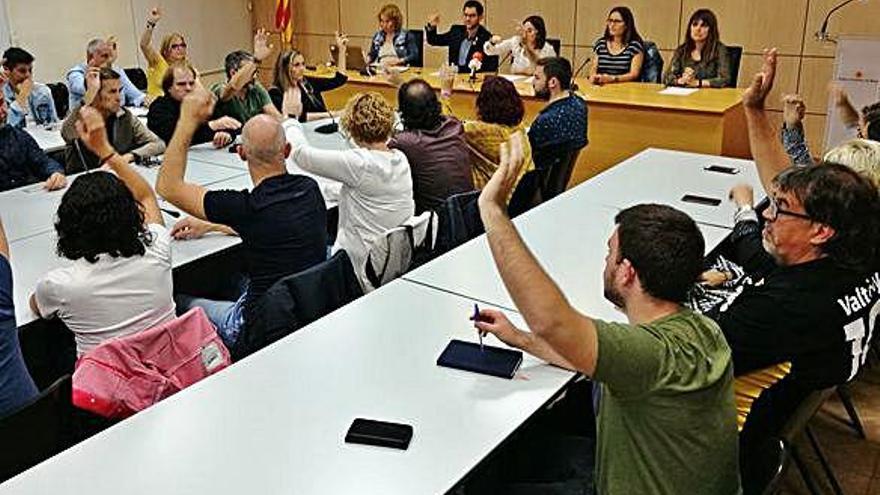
500 112
111 228
377 189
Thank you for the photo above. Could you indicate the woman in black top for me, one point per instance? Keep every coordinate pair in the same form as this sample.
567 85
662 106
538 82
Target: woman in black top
702 60
619 52
298 96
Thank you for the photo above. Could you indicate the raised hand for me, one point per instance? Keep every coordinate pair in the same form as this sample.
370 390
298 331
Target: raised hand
93 84
762 83
197 106
262 47
154 15
341 41
434 20
92 132
243 76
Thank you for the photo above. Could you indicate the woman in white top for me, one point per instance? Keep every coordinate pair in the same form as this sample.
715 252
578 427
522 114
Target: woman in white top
528 46
377 192
111 228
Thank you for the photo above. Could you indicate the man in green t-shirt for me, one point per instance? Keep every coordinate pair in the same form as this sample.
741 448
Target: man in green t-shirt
666 421
242 97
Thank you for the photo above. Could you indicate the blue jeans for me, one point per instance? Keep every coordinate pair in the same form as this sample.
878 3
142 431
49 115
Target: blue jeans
227 316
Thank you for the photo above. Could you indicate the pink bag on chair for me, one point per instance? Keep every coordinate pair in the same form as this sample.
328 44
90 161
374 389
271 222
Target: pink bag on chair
123 376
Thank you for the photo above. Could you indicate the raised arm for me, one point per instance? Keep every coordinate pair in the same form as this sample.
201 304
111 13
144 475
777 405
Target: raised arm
767 150
153 57
92 133
196 108
848 113
571 335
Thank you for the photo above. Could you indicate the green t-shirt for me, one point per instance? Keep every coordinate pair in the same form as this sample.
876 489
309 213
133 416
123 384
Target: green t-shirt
667 418
241 109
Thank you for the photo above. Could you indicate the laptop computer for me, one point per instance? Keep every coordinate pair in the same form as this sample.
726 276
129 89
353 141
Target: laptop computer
354 57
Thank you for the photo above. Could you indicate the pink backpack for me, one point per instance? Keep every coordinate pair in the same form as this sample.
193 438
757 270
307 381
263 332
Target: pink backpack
123 376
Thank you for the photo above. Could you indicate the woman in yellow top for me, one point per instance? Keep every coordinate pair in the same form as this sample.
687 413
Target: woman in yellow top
171 51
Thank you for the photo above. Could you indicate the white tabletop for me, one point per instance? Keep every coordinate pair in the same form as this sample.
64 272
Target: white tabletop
663 176
275 422
30 210
567 235
47 137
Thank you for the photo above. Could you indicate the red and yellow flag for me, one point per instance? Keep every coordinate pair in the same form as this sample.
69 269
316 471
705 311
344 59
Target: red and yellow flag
283 20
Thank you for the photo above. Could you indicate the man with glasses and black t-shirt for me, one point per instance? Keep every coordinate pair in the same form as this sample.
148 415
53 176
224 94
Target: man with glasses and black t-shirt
813 297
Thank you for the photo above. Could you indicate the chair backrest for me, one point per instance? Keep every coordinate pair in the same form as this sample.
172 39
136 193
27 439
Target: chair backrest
527 194
556 43
557 171
734 56
419 37
36 431
652 67
138 77
297 300
61 97
459 221
393 253
123 376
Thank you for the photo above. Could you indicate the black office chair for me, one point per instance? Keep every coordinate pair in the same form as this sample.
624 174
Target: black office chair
61 98
527 194
556 43
297 300
36 431
419 37
138 77
734 57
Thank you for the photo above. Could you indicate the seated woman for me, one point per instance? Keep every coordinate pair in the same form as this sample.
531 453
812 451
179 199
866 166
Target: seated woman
392 45
172 50
377 189
527 46
702 60
179 81
500 112
619 53
111 229
298 96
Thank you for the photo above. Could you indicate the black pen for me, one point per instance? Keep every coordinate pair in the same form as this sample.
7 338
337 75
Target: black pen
476 318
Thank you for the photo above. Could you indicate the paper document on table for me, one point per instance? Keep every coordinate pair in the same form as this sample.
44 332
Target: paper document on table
675 91
513 77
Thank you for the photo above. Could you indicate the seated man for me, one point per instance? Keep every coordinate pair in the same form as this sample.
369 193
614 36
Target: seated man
99 54
179 81
16 386
464 40
666 421
434 145
128 135
22 162
562 124
23 96
110 227
282 221
815 291
242 96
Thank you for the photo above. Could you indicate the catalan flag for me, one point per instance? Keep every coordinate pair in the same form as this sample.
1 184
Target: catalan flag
283 20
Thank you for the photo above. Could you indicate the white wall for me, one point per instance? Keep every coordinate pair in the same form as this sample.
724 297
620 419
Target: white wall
56 31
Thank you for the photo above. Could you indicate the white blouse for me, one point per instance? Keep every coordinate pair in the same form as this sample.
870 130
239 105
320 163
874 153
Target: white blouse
520 63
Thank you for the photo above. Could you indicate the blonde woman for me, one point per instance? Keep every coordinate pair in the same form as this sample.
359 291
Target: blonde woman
392 45
172 50
377 191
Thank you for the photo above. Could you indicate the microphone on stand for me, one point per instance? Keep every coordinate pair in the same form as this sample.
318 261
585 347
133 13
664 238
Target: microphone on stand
326 128
578 71
822 34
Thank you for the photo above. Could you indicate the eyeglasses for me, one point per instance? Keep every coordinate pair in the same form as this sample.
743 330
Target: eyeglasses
773 212
178 45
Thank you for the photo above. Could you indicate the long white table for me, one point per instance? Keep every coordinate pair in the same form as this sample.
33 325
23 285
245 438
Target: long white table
275 422
664 176
48 138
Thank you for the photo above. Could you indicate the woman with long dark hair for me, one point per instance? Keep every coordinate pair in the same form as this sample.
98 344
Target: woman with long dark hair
702 60
527 46
619 53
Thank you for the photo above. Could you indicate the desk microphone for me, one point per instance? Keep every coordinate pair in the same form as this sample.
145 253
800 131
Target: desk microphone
326 128
503 60
578 71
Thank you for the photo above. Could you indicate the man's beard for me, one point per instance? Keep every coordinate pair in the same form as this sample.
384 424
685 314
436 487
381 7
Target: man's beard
543 94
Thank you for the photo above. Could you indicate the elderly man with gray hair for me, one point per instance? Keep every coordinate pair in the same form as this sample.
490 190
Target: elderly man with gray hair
282 222
100 53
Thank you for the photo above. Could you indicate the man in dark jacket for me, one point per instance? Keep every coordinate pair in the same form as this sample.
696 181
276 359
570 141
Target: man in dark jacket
463 40
22 162
434 145
179 81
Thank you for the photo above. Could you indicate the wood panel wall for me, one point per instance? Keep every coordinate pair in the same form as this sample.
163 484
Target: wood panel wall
805 64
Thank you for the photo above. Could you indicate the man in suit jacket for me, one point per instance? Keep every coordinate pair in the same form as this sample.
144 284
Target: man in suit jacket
463 40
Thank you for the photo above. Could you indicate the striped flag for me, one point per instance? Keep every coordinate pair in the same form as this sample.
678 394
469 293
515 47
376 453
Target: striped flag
282 20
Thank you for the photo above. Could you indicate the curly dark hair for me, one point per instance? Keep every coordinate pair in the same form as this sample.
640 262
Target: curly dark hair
419 106
499 102
665 247
99 215
844 200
